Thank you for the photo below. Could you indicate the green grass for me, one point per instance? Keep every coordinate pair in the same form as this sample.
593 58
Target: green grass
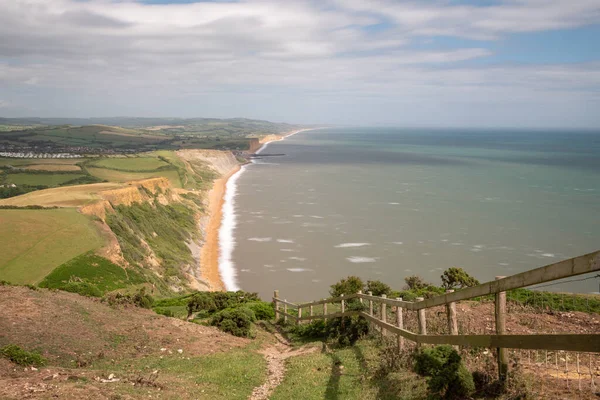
123 176
165 228
34 242
230 375
131 163
319 376
22 357
93 269
39 179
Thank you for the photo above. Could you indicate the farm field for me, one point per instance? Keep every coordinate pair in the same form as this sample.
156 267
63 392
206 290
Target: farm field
51 167
123 176
41 240
67 196
22 162
140 164
39 179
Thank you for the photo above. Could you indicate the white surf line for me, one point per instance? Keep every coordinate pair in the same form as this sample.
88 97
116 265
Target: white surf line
227 234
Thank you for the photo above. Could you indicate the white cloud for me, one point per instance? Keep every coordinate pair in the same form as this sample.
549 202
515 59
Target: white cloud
125 53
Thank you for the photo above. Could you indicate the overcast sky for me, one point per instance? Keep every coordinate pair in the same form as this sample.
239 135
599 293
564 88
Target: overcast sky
519 63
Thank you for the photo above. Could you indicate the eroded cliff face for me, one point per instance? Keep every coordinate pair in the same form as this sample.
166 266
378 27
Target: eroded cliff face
173 255
222 162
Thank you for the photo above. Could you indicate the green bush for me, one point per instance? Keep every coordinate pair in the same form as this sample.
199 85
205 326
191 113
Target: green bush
457 278
237 321
82 288
264 311
348 330
449 378
210 302
138 299
378 288
164 311
415 282
315 330
22 357
347 286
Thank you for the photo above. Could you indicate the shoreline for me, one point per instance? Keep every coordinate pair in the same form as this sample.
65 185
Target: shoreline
216 266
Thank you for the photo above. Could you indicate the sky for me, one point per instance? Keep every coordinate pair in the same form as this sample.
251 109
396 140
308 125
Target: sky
455 63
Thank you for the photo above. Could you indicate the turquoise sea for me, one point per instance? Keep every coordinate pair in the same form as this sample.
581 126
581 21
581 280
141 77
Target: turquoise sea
384 203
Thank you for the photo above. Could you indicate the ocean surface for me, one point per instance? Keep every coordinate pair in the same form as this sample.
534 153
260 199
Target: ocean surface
385 203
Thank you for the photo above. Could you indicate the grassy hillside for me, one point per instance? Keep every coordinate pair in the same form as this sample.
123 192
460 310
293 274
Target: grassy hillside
149 356
34 242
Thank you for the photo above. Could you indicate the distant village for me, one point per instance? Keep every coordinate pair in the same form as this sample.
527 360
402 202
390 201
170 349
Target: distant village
12 154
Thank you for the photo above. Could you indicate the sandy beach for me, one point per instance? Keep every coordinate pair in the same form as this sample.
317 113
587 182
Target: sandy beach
211 249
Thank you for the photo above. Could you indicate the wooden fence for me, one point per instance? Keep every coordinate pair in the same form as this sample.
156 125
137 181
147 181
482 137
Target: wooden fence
500 340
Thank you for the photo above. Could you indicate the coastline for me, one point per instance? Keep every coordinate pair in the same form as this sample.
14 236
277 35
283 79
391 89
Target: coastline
217 268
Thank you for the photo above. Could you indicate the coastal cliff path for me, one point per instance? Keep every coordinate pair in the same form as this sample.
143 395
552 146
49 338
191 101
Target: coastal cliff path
275 355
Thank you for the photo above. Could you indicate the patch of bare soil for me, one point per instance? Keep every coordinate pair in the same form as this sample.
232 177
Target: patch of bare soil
74 332
276 355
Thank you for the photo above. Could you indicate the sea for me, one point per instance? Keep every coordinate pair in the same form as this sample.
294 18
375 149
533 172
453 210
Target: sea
386 203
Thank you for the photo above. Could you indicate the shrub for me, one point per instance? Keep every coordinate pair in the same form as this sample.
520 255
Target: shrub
378 288
347 330
315 330
457 278
347 286
449 378
200 302
415 282
139 299
82 288
164 311
237 321
22 357
264 311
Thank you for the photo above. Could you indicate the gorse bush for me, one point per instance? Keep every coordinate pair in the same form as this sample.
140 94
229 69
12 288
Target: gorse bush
457 278
22 357
210 302
448 376
237 321
138 299
82 288
347 286
264 311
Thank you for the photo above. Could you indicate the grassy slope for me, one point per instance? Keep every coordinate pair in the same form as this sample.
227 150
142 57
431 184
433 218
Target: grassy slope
131 163
93 269
46 179
40 240
123 176
91 339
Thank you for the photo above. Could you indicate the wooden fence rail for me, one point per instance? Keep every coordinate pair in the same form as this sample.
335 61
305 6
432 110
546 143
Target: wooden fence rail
567 342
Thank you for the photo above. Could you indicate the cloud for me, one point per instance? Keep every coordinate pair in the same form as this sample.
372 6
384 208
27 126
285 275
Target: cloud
117 55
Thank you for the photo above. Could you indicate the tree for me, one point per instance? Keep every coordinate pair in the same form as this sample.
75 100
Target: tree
415 282
378 288
347 286
457 278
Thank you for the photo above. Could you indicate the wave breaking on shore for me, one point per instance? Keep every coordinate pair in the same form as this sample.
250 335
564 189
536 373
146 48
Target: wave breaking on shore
226 234
228 223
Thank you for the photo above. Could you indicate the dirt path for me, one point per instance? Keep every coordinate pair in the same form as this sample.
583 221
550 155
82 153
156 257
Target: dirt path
276 356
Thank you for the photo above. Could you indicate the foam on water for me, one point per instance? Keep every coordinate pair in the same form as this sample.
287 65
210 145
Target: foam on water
360 260
285 241
226 234
298 269
259 239
345 245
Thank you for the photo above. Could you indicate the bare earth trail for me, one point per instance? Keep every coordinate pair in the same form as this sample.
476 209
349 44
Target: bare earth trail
275 355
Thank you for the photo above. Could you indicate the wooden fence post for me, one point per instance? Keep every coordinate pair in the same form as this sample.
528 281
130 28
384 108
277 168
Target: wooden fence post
299 315
422 319
285 311
370 304
360 298
343 303
383 309
324 310
310 311
500 330
276 303
400 324
451 314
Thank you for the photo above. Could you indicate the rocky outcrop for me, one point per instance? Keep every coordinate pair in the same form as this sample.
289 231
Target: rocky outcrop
222 162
